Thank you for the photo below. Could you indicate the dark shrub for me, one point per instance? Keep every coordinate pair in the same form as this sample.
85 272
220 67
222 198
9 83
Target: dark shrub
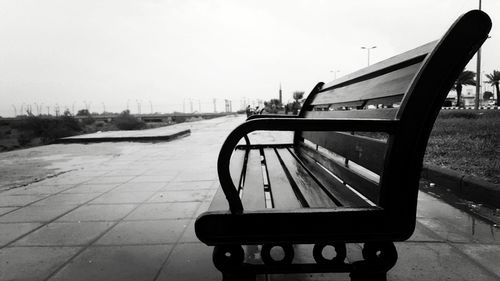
125 121
47 129
88 120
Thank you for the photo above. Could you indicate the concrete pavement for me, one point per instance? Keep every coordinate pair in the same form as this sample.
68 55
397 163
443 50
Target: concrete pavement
130 217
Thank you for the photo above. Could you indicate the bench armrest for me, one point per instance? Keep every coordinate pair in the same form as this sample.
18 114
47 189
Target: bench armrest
286 124
257 116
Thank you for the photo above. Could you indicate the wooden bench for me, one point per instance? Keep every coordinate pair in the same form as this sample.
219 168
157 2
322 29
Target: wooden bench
350 175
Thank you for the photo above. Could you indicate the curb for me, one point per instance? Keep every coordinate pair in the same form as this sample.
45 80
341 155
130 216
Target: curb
470 107
464 186
123 139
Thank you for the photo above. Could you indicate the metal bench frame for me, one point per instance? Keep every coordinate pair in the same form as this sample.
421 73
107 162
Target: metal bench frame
393 219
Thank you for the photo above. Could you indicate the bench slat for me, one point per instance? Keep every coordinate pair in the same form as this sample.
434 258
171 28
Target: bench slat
417 54
383 113
311 191
236 167
368 188
390 84
253 187
282 193
342 193
367 152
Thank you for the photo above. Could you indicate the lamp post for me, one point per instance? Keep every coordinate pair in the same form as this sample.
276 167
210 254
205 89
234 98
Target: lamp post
478 74
334 73
368 52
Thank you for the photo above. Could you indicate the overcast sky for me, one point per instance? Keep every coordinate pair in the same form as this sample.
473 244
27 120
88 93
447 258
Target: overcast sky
163 53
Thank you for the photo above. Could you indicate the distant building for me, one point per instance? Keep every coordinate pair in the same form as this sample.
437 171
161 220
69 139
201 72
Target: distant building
468 97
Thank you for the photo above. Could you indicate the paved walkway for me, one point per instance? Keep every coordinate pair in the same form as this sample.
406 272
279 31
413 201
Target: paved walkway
131 218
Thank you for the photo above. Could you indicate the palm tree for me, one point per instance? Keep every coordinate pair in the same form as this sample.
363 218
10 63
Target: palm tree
465 78
494 81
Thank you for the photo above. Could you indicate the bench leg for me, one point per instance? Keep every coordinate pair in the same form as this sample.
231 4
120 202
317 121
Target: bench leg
379 257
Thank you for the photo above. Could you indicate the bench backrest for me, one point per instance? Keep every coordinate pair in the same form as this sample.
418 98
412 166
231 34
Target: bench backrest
410 89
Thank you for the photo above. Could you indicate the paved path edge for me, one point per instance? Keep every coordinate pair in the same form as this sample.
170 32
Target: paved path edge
464 186
170 137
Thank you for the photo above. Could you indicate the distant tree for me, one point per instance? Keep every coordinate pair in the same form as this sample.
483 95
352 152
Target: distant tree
295 106
297 95
273 106
465 78
83 112
494 80
126 121
487 95
67 113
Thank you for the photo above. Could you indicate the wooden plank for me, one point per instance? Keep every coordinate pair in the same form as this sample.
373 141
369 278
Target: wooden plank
342 193
281 189
417 54
363 185
389 84
312 192
253 187
367 152
236 166
383 113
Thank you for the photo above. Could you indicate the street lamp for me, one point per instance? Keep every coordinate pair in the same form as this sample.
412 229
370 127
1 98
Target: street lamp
368 52
334 73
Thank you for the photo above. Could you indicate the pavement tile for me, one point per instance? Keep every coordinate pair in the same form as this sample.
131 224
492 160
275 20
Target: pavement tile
144 232
430 207
121 197
153 178
98 213
41 213
120 263
155 211
19 200
74 178
180 196
165 170
91 188
191 185
32 263
189 262
11 231
465 231
5 210
423 233
435 261
108 180
38 189
67 199
196 175
140 186
125 172
65 234
189 235
487 255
